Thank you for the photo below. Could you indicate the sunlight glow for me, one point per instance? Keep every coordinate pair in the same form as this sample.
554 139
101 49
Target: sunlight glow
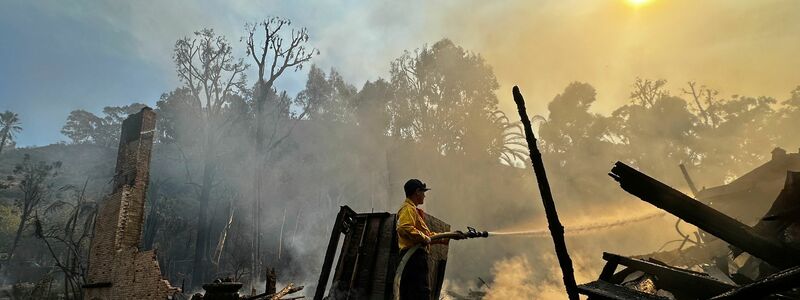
638 2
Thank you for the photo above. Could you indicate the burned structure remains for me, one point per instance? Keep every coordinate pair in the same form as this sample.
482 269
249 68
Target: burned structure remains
117 269
746 246
757 259
369 257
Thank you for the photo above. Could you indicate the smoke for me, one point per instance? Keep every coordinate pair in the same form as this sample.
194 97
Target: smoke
512 280
542 46
517 278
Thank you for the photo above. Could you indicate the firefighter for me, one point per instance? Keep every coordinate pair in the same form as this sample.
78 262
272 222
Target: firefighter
412 231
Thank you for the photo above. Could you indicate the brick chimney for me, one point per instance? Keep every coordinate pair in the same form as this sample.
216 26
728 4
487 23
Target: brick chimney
778 153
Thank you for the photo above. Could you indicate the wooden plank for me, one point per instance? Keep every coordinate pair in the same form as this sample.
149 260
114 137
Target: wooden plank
609 269
367 254
438 257
604 290
344 269
330 252
394 260
775 283
675 279
380 272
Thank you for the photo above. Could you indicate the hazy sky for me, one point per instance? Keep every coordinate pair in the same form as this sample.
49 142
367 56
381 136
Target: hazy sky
57 56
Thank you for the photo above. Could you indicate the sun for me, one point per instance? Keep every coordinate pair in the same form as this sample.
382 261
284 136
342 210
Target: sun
638 2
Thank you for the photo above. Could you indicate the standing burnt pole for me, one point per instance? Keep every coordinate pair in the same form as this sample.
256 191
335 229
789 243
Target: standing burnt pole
556 229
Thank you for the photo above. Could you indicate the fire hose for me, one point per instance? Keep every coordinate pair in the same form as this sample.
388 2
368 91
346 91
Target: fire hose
454 235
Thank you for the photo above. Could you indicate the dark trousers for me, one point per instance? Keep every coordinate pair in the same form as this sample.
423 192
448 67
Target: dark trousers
414 284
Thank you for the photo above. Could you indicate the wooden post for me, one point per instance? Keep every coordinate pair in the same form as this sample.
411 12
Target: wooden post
689 180
330 253
556 229
272 280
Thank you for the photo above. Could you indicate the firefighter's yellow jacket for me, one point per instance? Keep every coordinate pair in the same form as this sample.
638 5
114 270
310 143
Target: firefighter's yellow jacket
411 227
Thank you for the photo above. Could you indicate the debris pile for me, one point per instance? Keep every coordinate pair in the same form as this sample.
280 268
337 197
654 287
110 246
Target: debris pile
728 259
227 289
368 257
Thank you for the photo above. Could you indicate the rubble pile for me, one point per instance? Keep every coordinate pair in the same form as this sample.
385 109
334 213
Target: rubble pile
727 259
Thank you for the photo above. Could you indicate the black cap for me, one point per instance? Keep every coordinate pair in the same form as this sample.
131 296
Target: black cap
412 185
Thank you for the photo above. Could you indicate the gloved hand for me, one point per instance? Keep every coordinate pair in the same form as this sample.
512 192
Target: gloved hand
460 236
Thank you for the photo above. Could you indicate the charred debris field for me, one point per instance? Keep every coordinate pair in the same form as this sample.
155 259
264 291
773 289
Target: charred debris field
722 258
269 161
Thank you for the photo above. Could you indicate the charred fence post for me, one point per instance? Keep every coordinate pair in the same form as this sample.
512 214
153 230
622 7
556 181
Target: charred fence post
556 229
706 218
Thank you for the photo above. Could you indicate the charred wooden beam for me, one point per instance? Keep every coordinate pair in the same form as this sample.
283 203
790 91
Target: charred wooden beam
602 290
671 278
553 223
706 218
272 279
775 283
340 225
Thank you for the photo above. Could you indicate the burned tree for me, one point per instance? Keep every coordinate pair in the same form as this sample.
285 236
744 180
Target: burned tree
273 55
214 79
33 182
646 92
67 240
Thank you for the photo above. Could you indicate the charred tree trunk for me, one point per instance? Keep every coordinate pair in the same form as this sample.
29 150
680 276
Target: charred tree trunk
18 235
272 280
3 141
261 99
556 229
201 243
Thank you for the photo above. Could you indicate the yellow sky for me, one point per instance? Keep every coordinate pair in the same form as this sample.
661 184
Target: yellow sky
737 47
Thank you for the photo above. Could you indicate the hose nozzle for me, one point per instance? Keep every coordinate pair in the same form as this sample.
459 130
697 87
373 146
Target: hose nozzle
472 233
460 235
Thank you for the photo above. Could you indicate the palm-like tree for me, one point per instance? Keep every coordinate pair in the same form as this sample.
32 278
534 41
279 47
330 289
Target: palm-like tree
512 142
9 127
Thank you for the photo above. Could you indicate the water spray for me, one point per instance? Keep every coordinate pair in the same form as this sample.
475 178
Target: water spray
474 233
576 230
452 235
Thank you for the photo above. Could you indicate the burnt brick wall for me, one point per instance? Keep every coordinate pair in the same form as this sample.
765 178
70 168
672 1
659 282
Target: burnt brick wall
117 270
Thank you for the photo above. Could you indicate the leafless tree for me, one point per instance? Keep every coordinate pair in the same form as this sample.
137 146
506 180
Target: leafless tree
67 240
275 52
207 67
32 179
646 91
710 97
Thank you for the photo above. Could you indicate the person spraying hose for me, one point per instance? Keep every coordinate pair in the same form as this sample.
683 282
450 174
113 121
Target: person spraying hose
413 231
413 239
